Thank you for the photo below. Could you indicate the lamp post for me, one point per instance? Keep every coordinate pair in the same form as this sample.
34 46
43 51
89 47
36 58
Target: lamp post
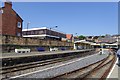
53 27
74 42
76 34
101 47
27 33
27 27
50 35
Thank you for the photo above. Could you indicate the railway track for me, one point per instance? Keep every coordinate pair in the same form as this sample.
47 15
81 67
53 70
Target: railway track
29 67
102 70
97 70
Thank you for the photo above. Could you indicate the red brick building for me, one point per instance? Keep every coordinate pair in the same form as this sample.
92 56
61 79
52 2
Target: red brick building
70 37
10 21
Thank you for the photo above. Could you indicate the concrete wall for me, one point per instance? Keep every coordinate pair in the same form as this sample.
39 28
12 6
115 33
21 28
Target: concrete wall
11 42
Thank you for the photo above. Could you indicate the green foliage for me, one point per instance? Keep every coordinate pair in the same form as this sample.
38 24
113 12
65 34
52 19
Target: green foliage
102 36
81 37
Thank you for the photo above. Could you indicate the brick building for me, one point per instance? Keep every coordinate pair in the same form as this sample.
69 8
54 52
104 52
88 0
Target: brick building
10 21
70 37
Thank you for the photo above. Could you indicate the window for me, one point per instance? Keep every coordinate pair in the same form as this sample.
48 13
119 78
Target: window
40 32
36 32
24 33
32 32
1 11
28 32
19 24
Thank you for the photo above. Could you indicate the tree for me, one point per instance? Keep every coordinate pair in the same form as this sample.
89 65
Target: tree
90 37
107 35
95 37
81 37
102 36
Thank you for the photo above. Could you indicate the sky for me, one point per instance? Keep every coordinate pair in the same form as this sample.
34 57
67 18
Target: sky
83 18
62 0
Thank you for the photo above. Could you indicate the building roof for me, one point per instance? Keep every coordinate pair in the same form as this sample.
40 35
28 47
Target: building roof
76 37
34 29
17 14
83 41
69 36
14 11
41 29
107 39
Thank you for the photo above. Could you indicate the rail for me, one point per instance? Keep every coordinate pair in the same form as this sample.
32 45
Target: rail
87 72
18 68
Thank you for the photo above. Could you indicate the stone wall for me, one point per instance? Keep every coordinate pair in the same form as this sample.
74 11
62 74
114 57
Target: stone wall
9 43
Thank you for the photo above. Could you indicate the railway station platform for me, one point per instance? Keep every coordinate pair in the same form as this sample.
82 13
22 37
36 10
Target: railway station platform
62 68
11 59
18 55
115 72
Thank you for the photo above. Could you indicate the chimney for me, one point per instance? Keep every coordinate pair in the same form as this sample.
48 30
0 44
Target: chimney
8 4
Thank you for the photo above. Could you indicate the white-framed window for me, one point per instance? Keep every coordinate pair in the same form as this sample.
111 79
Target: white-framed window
19 24
1 11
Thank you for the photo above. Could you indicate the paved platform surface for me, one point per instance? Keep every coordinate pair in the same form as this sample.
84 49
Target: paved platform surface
15 55
115 71
63 68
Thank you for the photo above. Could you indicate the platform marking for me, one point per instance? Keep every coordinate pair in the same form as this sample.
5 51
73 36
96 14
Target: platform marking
40 53
51 67
112 68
